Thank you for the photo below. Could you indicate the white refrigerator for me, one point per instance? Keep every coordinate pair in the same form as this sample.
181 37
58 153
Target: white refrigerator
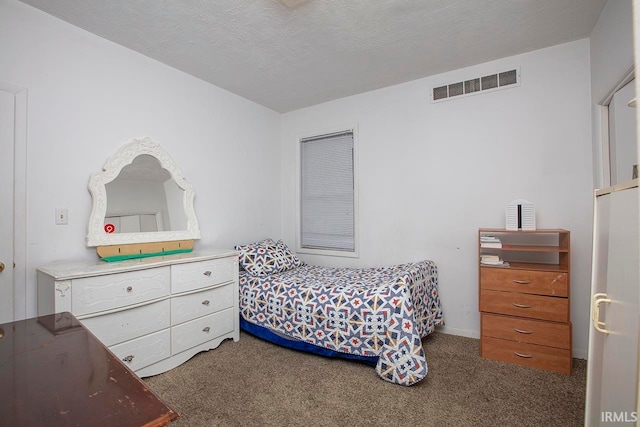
612 367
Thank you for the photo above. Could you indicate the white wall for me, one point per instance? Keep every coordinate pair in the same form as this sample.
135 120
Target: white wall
611 47
611 59
88 96
432 174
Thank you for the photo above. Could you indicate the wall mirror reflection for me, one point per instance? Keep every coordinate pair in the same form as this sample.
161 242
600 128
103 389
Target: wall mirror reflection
144 198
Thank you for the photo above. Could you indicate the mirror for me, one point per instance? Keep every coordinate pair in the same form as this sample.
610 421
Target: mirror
141 197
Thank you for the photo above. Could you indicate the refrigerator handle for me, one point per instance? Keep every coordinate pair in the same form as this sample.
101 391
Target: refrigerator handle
597 300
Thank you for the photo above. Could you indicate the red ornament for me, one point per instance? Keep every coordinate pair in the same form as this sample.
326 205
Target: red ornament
109 228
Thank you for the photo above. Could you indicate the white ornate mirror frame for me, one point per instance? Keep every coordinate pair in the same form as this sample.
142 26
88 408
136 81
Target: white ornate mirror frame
142 243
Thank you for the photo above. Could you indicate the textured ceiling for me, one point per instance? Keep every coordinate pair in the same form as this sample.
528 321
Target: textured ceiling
287 58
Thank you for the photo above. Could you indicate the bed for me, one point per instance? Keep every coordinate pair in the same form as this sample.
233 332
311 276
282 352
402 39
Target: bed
376 315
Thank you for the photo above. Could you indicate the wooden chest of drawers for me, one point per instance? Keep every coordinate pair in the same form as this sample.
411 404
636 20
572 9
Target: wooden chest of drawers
153 313
524 303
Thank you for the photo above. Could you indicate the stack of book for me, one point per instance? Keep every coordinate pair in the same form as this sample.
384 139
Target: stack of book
490 242
493 260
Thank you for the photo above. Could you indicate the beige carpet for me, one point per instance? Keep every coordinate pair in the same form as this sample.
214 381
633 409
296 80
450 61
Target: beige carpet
255 383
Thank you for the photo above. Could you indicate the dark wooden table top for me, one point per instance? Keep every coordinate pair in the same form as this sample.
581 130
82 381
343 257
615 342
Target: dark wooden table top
53 372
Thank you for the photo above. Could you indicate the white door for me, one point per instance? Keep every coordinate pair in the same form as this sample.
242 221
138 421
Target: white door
7 134
612 369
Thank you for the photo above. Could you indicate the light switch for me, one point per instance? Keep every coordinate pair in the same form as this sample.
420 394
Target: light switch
62 216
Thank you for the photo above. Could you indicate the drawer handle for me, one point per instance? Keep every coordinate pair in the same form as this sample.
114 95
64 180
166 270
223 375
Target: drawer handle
205 302
521 305
520 331
526 356
129 358
206 329
521 282
129 288
207 273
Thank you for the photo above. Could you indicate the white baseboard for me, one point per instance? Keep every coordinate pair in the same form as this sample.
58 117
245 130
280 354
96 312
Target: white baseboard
460 332
580 353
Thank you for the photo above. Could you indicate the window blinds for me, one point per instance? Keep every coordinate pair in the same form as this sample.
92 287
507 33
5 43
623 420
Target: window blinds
327 192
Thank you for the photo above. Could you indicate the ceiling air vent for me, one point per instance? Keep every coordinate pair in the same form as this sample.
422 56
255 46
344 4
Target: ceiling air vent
486 83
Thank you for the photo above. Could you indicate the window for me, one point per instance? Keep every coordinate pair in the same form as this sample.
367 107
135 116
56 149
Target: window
328 197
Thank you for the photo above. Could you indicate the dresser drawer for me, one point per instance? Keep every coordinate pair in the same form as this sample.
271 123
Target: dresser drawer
191 306
196 275
526 281
525 305
125 325
201 330
111 291
525 330
532 355
144 351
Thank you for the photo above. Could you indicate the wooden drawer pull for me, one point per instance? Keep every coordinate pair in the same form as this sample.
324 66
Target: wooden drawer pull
129 358
206 329
520 331
521 305
207 273
521 282
205 302
526 356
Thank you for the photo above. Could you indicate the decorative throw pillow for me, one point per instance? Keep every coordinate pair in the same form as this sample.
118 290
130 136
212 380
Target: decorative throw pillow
266 257
289 260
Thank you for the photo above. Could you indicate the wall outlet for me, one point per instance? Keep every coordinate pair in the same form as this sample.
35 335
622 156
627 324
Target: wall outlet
62 216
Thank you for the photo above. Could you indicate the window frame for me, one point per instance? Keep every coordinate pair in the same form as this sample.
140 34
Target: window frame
356 237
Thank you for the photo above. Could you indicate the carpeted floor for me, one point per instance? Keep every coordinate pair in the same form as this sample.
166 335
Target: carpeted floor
255 383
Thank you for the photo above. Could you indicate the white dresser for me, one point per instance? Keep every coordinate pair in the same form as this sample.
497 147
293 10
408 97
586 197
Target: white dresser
153 313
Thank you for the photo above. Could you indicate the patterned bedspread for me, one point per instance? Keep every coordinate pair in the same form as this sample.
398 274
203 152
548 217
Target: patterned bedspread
380 312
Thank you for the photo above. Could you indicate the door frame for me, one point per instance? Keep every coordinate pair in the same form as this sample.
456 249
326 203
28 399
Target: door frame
19 200
602 131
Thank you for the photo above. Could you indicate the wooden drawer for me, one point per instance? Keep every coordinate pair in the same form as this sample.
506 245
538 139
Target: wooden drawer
203 329
525 330
197 275
192 306
525 305
125 325
526 281
144 351
112 291
532 355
